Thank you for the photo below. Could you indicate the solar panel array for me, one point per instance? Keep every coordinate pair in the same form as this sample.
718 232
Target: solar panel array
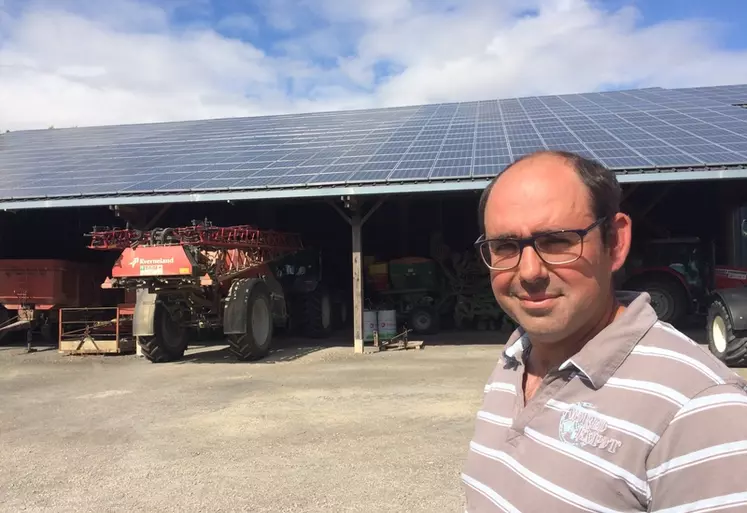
731 94
637 131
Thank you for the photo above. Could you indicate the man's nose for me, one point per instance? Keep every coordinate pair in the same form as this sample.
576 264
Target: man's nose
531 267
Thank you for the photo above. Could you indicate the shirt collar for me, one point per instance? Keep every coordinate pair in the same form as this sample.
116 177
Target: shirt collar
516 349
602 355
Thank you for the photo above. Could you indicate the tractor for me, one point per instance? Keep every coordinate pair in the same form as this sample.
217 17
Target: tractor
683 280
240 280
676 273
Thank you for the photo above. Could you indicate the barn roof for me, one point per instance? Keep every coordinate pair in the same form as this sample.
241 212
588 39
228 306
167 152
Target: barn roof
651 134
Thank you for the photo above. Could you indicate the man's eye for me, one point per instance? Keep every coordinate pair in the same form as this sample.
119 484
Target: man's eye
503 248
556 243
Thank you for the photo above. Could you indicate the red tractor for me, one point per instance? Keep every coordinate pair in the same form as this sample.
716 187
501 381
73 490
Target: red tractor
675 272
240 280
683 280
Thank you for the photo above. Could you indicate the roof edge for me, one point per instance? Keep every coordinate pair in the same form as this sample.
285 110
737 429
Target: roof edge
358 190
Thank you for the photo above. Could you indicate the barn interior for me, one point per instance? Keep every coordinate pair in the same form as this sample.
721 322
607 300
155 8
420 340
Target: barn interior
432 226
401 226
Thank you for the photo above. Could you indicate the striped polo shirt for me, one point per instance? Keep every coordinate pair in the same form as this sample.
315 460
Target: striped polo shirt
641 419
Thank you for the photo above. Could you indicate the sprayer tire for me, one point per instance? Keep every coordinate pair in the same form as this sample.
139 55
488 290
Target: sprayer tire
255 343
164 346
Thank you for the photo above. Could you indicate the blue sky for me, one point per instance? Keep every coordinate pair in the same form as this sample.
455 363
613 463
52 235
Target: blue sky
732 14
88 62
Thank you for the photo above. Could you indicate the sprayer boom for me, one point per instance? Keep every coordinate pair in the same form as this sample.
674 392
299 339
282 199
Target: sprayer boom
211 253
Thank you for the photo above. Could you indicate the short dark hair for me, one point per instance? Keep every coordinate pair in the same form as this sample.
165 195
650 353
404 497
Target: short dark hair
604 189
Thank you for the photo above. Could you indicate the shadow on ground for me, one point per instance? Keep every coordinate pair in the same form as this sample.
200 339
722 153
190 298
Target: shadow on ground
282 352
288 348
34 349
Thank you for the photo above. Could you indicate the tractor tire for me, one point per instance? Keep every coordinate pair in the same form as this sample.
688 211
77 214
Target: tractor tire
316 313
423 320
255 343
723 343
668 298
170 340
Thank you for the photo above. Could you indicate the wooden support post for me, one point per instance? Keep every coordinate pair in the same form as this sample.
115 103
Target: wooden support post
356 224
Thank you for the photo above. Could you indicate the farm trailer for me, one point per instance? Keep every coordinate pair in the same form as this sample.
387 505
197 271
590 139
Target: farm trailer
32 292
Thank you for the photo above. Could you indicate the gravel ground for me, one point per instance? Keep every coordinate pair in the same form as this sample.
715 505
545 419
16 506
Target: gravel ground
309 430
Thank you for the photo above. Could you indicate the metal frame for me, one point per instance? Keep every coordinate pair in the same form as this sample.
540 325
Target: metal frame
669 175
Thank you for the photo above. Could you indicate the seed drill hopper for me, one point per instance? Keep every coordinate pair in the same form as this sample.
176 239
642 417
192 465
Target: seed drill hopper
203 277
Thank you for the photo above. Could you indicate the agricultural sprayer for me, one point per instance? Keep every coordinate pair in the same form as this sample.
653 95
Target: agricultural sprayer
239 280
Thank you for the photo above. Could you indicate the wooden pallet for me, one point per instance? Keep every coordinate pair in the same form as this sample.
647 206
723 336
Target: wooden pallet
397 343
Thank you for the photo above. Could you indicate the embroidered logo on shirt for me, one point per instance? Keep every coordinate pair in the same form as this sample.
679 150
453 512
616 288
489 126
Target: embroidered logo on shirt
582 427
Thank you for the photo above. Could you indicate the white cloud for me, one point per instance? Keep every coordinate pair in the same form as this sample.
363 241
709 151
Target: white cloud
61 69
569 47
62 64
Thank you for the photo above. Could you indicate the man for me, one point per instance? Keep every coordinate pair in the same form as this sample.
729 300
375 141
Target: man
595 405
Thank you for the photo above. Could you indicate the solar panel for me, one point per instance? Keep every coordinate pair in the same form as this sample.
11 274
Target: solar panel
450 172
147 186
276 171
330 178
626 163
410 174
486 171
636 130
291 180
368 176
415 164
730 94
257 181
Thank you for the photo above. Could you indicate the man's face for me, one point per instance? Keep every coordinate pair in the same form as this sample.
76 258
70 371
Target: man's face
551 302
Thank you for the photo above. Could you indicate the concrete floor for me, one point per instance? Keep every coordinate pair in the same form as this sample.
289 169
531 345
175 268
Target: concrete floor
308 430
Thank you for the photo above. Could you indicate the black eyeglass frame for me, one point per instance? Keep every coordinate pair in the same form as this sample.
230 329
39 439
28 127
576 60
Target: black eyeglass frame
532 241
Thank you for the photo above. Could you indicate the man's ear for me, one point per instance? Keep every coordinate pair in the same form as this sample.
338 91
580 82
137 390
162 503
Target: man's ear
621 235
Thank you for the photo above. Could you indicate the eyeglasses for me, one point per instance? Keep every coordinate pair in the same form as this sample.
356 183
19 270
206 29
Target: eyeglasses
554 248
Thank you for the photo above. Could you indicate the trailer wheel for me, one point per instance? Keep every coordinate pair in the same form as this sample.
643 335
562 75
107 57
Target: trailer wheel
170 340
255 343
423 320
722 341
316 313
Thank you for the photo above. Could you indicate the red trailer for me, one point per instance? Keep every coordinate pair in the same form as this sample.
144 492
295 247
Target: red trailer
32 292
